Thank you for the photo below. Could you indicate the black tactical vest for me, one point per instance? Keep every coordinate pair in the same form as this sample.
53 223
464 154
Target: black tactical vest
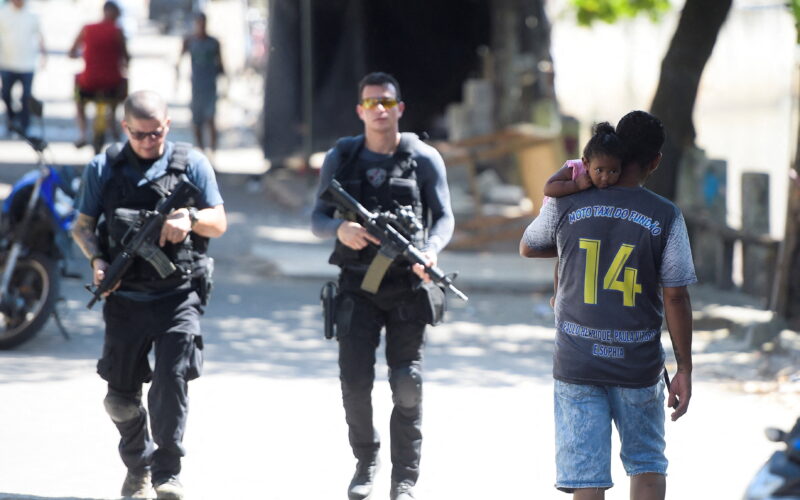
123 201
379 186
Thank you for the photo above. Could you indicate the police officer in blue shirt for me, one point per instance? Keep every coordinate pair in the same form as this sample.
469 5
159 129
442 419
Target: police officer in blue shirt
145 310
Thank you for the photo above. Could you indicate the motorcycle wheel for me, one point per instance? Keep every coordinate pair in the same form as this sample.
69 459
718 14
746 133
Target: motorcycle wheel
32 295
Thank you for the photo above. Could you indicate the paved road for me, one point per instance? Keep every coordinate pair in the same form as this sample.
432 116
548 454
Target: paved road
266 419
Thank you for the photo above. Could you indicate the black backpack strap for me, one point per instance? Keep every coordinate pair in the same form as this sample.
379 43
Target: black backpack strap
407 141
176 169
349 148
113 153
116 154
405 164
180 158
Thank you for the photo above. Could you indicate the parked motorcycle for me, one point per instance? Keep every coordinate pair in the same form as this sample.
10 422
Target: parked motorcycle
35 244
779 478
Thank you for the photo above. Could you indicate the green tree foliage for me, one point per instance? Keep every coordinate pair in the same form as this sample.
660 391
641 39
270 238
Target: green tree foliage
610 11
796 12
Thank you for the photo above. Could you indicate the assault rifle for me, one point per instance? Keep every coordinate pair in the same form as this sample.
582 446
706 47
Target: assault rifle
142 240
393 243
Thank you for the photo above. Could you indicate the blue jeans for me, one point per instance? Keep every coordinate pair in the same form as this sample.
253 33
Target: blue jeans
583 432
9 78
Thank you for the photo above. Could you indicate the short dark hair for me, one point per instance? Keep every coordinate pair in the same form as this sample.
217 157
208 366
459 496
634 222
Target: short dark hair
379 78
112 7
145 105
643 135
604 141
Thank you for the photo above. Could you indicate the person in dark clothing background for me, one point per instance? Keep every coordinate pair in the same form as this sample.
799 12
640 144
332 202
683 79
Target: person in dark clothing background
146 311
379 168
206 56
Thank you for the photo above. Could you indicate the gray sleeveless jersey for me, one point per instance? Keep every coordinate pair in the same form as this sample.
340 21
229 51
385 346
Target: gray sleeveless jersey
617 248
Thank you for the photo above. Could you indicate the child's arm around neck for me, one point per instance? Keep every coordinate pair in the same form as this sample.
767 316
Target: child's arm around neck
562 183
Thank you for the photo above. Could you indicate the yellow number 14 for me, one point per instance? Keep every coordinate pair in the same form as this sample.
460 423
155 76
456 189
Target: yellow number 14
627 285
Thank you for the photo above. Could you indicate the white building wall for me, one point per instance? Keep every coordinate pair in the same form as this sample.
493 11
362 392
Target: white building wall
744 113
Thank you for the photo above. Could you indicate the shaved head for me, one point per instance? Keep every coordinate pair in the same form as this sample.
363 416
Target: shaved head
145 105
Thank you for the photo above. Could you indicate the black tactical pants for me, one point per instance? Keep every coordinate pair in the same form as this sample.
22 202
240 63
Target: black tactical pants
360 318
171 327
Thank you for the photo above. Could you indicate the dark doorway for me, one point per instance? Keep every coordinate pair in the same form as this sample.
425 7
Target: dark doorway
431 46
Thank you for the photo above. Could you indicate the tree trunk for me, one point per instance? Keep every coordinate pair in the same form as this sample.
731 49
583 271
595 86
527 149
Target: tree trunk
681 69
785 298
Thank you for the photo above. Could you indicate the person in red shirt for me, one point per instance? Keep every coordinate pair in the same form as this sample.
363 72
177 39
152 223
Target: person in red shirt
105 56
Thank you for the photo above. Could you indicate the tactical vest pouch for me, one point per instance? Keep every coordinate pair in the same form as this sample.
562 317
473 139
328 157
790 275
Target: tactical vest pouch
431 303
404 191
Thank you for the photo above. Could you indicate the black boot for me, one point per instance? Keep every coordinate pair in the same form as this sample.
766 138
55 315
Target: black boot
402 490
361 484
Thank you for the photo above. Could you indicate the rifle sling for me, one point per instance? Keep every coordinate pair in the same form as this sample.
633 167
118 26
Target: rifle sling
377 269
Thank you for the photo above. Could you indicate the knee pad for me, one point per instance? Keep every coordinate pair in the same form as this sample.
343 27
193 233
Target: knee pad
121 409
406 382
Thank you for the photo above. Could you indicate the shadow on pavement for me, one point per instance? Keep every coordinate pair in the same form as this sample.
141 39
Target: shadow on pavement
279 334
273 329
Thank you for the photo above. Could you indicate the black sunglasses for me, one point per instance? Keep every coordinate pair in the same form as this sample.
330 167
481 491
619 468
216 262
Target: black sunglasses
153 134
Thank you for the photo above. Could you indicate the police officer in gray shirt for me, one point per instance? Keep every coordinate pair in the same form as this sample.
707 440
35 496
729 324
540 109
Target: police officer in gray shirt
380 168
624 265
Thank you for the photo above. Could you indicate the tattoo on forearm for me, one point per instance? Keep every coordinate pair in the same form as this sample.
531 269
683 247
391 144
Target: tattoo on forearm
84 236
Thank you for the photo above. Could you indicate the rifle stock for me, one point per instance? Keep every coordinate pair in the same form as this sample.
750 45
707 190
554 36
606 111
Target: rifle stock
143 241
389 236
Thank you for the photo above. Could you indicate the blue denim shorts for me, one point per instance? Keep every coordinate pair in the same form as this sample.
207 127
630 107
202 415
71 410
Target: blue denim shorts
583 432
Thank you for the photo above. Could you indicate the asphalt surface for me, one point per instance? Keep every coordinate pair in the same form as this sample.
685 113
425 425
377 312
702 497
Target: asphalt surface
266 419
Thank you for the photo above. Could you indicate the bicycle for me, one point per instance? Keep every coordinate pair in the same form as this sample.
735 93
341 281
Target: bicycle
104 111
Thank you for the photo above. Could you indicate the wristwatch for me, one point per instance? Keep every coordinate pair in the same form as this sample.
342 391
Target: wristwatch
192 216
